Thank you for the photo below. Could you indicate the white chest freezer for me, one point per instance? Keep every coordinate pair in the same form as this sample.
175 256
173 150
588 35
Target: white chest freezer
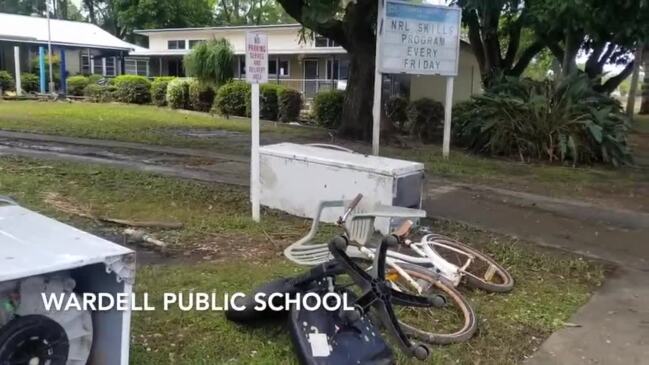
40 256
294 178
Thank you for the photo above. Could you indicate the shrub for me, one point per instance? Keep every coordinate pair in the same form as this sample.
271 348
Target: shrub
268 107
178 94
201 96
6 81
538 120
132 89
327 108
289 104
77 84
100 93
159 90
56 68
29 82
425 119
396 110
231 98
94 78
211 62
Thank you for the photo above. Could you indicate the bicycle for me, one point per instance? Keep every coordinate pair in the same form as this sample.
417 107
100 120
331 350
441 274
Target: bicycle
428 272
349 335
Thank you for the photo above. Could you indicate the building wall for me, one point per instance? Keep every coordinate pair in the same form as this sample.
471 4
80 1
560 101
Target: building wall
466 83
279 40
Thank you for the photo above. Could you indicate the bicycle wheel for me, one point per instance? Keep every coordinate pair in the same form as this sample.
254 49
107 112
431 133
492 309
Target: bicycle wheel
453 323
483 273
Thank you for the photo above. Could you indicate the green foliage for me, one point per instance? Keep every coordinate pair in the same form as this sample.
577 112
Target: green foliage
289 104
56 67
425 119
231 98
7 82
268 106
211 62
132 89
538 120
396 110
201 96
159 90
100 93
94 78
178 94
29 82
327 108
76 85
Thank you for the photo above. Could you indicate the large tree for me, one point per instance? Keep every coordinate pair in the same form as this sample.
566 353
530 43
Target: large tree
352 24
501 37
241 12
606 32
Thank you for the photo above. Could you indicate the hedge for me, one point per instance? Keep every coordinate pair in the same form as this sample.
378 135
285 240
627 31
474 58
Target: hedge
6 81
268 106
178 94
289 104
100 93
132 89
231 98
425 119
396 110
201 96
327 108
29 82
77 84
159 90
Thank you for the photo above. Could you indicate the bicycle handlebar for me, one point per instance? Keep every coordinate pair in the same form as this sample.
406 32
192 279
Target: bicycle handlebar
349 209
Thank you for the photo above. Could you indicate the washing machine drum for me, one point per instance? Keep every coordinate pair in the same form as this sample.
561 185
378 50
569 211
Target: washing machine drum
37 335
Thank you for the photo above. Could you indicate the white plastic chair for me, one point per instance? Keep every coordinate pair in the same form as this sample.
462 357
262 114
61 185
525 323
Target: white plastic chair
359 226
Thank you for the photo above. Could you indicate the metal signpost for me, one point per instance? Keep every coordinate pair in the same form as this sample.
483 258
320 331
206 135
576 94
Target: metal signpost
256 73
417 39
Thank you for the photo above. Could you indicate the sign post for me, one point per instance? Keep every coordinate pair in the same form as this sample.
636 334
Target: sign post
256 73
419 39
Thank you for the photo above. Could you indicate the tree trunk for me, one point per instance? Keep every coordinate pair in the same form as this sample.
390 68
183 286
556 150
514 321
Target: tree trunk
644 105
357 107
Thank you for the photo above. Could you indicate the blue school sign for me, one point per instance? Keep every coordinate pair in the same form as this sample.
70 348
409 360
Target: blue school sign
420 39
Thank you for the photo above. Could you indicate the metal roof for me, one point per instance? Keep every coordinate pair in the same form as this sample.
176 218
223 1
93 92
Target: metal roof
32 29
223 28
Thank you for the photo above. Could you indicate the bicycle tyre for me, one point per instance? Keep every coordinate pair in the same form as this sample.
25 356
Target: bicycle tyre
473 280
456 298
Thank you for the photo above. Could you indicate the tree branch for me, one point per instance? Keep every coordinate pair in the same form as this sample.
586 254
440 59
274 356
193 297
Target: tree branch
526 57
471 20
332 28
612 83
514 42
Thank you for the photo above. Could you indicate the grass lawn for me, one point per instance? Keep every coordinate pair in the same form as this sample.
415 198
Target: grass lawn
124 122
549 287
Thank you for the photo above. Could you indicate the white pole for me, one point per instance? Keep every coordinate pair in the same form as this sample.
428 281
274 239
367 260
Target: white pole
254 155
448 107
19 88
49 46
376 106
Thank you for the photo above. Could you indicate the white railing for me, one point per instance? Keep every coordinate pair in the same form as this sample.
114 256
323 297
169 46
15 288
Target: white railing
308 87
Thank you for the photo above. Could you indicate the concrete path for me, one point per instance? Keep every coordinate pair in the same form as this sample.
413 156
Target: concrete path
614 323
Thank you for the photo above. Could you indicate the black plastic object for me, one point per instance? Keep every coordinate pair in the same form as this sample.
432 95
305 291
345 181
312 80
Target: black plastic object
33 339
358 342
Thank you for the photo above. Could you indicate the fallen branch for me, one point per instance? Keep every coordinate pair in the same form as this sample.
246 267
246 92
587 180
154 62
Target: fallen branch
151 224
142 236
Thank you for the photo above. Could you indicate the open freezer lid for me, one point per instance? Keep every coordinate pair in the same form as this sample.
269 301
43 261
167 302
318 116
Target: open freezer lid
32 244
331 157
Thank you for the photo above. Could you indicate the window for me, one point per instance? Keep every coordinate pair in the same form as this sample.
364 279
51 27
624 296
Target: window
85 64
242 66
194 42
176 44
283 67
110 66
321 41
97 66
136 66
337 69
